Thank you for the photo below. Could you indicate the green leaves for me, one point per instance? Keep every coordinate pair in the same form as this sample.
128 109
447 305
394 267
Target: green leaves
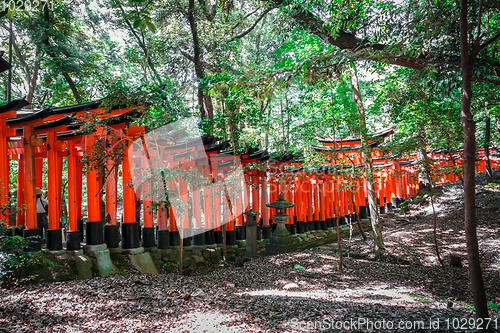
144 24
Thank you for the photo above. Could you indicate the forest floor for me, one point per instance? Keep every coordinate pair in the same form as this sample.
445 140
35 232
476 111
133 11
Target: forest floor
299 292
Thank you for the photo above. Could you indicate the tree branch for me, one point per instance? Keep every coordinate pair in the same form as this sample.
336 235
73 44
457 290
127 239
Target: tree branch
489 41
209 10
243 19
345 40
246 32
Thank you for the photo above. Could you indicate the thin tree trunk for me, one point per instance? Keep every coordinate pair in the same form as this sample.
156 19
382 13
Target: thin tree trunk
34 77
339 242
9 75
469 128
372 198
46 42
204 100
487 131
424 176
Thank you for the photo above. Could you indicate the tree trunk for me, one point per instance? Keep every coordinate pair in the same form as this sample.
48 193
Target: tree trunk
372 198
9 75
424 176
46 42
487 131
204 100
469 128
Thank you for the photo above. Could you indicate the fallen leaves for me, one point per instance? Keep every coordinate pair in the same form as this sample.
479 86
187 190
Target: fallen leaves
267 293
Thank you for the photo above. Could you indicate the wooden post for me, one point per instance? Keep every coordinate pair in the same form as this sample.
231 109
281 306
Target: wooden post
94 230
53 183
322 208
73 234
21 216
29 177
264 201
111 191
4 167
72 187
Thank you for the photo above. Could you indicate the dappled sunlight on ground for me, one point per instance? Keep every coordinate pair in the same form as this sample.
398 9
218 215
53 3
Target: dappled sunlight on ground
273 294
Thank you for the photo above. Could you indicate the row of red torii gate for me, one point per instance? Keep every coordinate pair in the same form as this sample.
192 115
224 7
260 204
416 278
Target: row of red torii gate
320 195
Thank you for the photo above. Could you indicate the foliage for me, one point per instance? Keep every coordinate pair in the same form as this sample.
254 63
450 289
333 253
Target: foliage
18 267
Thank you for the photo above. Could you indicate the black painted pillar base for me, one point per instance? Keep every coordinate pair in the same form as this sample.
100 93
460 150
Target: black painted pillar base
111 236
266 232
323 225
210 237
310 225
148 237
354 219
79 224
175 238
95 233
293 229
33 238
231 237
300 227
288 227
130 236
362 212
273 226
342 220
259 232
187 241
218 237
73 240
317 225
240 232
54 239
382 209
18 231
198 237
388 207
139 231
163 239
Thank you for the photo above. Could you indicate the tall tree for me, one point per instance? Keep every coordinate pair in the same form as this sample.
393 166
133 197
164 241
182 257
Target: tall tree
471 43
370 186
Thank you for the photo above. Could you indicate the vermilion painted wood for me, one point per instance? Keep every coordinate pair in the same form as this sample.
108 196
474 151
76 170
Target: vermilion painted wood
208 208
4 174
111 191
72 187
255 193
196 206
309 196
162 217
147 195
264 214
52 181
172 220
246 192
79 184
93 182
20 218
322 207
29 176
39 171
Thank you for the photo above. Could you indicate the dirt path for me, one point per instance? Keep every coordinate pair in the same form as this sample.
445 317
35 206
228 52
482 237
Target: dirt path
286 293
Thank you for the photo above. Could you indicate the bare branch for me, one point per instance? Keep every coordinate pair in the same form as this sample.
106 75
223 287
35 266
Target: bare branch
489 41
243 19
246 32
